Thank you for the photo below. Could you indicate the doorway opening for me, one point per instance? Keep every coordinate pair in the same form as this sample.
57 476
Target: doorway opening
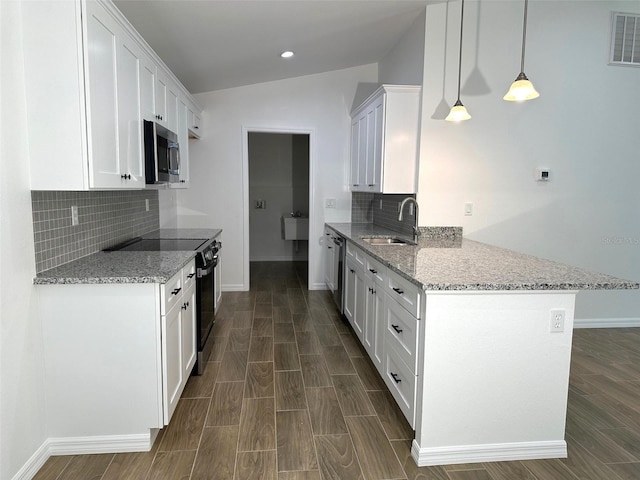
278 202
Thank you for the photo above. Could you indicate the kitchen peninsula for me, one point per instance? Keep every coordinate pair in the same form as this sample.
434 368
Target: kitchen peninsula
473 341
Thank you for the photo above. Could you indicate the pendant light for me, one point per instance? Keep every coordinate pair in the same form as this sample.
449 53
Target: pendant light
458 111
522 89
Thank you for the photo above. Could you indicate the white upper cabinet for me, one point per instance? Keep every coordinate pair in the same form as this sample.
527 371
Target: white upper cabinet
90 82
183 141
384 141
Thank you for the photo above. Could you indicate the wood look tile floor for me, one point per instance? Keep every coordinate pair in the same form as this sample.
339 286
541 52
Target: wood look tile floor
289 394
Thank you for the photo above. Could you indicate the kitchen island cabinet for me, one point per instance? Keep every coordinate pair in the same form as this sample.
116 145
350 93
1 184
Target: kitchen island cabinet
479 368
118 352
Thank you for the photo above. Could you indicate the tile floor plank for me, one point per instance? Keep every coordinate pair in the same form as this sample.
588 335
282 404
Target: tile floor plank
314 371
351 395
377 458
338 362
296 450
261 349
172 465
257 425
289 390
259 382
216 457
337 458
202 385
285 356
86 467
233 366
324 411
256 466
411 470
283 333
53 467
185 428
226 404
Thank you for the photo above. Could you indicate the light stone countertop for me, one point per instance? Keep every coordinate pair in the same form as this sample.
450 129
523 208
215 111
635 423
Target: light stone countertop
453 263
118 267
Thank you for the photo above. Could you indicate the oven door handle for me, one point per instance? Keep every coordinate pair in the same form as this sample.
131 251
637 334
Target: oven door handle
206 271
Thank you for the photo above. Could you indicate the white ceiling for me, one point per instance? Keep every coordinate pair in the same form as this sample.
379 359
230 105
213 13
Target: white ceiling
215 44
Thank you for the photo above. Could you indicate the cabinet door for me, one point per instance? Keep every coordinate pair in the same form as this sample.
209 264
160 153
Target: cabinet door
374 321
350 290
183 141
354 308
130 114
194 124
102 100
375 133
148 82
162 90
355 149
172 108
188 334
172 373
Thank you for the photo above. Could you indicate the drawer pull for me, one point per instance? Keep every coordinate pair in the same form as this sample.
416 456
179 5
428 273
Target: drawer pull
191 275
373 271
396 328
399 291
395 377
176 291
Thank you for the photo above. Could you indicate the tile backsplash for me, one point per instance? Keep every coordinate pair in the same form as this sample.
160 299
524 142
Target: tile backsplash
105 218
381 210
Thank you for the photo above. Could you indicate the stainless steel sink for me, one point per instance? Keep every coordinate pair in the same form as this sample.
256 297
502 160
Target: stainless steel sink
386 241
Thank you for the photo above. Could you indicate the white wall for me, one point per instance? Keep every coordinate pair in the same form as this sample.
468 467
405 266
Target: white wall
22 411
584 128
404 64
317 103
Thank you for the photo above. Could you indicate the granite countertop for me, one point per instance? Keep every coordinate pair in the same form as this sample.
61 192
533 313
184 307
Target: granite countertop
443 260
118 267
128 266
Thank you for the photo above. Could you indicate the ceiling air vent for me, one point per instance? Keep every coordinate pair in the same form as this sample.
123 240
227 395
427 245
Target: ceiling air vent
625 39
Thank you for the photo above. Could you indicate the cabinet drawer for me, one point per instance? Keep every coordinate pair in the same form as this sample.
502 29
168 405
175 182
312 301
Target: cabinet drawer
406 293
356 254
189 275
401 382
375 270
171 293
401 331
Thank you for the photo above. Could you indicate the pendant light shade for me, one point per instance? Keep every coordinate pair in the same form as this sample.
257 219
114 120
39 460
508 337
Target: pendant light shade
458 111
522 88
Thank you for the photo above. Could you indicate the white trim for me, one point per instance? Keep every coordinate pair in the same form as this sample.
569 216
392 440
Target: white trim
318 286
100 444
234 287
281 258
606 322
35 463
84 445
245 191
488 453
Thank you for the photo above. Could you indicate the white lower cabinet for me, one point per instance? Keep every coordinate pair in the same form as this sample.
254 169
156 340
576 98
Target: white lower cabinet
383 309
116 357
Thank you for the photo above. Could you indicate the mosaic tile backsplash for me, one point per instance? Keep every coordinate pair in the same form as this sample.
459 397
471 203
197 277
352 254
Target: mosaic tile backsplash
105 218
381 210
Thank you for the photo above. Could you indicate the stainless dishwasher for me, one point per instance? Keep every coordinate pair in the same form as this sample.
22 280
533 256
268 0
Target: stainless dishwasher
338 271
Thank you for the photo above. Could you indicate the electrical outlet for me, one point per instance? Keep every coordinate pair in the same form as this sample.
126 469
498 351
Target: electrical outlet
330 203
468 209
74 215
261 204
556 322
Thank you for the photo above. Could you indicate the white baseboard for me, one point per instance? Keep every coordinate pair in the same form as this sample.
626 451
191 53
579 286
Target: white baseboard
235 287
289 258
318 286
606 322
35 463
84 445
498 452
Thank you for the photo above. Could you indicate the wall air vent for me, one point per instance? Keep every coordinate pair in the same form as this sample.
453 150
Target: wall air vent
625 39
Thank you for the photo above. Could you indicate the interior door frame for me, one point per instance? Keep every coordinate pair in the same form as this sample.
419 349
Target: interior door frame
245 194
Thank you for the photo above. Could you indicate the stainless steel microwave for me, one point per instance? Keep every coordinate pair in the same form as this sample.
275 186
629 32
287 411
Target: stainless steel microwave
161 154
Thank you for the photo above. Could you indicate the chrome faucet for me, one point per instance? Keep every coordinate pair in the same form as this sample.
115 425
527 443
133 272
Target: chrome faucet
416 231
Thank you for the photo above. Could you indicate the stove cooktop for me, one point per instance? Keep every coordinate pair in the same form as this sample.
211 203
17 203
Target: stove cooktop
157 245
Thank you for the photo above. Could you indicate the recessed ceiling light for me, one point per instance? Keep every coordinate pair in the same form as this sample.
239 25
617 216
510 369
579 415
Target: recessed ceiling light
287 54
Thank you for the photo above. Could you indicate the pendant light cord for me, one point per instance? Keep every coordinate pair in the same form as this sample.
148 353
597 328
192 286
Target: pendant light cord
460 52
524 34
